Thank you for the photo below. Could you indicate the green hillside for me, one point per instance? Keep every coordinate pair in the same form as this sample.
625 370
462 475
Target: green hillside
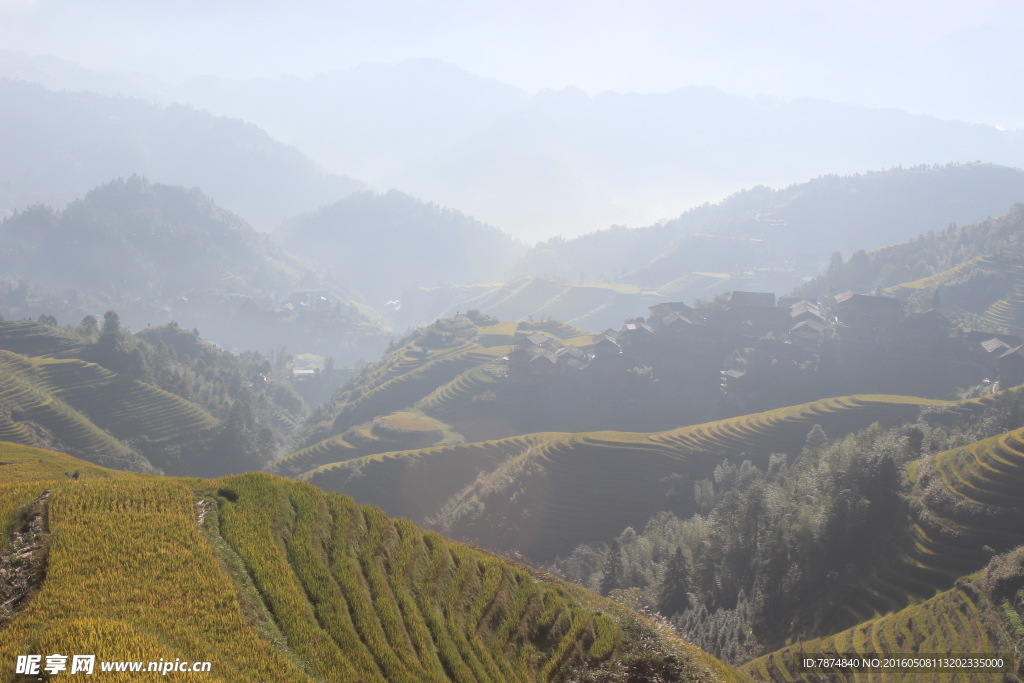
94 411
980 615
113 398
975 267
432 357
543 494
271 579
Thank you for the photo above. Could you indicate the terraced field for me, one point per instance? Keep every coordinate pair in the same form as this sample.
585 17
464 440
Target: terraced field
400 384
31 401
1007 312
962 620
945 276
91 409
36 339
123 406
271 579
972 505
543 494
354 443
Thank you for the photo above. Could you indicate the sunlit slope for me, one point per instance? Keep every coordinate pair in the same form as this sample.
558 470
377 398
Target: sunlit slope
414 372
368 439
274 580
543 494
93 410
401 383
21 464
1006 312
590 305
37 339
980 615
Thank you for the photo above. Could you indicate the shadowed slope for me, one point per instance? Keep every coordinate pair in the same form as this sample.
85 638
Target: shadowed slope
543 494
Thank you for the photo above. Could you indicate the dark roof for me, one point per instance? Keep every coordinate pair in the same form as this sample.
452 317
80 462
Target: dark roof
788 301
752 299
675 319
808 325
886 303
538 338
636 327
804 306
677 306
544 356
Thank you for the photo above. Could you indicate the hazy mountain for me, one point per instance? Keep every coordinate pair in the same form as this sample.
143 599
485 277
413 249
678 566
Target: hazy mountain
157 253
772 239
386 244
59 74
59 145
564 162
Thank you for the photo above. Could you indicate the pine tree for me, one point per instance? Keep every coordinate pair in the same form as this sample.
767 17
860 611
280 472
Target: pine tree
675 597
614 569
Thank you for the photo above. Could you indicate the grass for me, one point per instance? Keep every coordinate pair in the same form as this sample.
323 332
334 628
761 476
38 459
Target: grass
281 581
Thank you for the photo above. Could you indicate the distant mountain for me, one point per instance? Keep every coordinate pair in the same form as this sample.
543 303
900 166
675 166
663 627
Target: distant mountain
773 240
134 238
158 253
385 244
565 162
58 145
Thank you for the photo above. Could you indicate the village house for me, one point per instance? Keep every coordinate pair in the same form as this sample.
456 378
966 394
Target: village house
867 322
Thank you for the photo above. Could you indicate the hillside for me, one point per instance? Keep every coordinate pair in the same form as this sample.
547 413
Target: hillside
543 494
588 305
980 615
159 253
943 259
59 145
770 239
269 579
397 230
116 399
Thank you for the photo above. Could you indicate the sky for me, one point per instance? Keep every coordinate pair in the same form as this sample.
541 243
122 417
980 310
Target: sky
959 60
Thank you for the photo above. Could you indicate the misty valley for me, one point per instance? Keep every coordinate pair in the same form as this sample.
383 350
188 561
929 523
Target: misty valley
306 426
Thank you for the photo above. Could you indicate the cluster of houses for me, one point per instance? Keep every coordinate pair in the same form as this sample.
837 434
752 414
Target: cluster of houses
784 330
540 357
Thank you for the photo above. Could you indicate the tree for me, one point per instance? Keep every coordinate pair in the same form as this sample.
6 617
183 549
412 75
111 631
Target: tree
111 324
675 589
614 569
89 327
